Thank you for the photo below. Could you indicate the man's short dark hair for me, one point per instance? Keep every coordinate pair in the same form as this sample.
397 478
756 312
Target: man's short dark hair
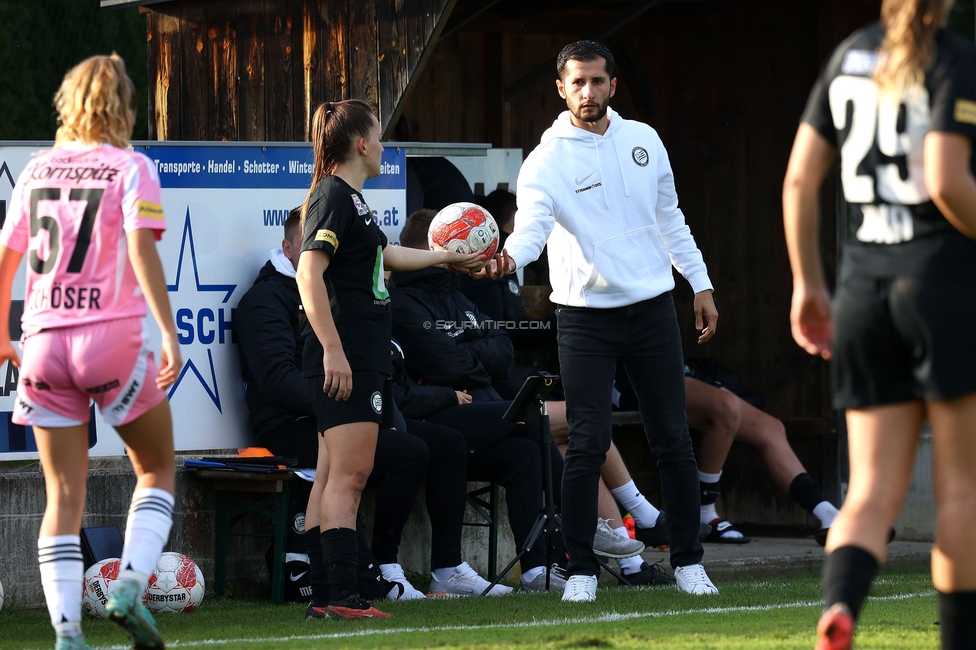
414 233
583 51
293 222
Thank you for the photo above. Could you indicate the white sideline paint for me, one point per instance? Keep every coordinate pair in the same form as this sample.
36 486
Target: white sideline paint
609 617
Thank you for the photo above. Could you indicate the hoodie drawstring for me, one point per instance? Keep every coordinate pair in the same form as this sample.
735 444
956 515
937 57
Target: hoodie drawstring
599 165
620 166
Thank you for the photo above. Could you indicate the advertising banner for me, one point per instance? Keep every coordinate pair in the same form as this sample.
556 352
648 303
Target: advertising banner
225 205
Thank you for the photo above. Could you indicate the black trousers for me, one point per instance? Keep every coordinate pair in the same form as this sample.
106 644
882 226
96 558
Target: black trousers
447 484
508 454
646 338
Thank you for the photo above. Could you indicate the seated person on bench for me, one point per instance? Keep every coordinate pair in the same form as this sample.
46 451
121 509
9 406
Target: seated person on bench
501 300
723 417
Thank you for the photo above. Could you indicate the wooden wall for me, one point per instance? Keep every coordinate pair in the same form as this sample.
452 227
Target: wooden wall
256 69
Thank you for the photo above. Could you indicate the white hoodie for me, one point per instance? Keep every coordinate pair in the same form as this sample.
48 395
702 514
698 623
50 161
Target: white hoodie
608 208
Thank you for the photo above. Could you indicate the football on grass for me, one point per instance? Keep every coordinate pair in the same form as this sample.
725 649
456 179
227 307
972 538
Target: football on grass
175 586
99 582
464 228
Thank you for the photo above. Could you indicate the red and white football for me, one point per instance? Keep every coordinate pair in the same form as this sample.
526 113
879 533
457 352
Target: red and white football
464 228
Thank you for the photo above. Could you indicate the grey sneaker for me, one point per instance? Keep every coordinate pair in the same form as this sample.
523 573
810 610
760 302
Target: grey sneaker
126 610
609 543
557 581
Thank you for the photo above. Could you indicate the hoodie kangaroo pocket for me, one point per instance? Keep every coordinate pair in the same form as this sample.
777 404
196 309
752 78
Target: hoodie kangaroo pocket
626 262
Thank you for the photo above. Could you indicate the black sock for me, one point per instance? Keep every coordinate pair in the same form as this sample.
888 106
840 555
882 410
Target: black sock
709 492
957 610
317 576
805 491
340 554
847 576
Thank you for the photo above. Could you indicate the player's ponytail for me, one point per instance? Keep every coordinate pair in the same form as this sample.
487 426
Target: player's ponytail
335 126
909 43
96 103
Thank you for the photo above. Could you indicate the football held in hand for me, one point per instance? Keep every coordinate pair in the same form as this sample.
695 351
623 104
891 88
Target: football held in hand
464 228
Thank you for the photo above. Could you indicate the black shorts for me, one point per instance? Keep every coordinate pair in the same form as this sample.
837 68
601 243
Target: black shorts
371 401
901 340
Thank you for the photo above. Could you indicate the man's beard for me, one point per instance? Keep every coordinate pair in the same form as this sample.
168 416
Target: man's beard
599 115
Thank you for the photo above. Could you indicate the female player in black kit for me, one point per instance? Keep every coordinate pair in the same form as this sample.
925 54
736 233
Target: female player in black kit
898 100
347 350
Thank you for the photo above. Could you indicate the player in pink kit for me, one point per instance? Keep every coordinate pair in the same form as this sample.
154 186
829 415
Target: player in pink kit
88 215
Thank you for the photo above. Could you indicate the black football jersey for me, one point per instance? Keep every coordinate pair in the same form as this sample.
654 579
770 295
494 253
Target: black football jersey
893 227
340 222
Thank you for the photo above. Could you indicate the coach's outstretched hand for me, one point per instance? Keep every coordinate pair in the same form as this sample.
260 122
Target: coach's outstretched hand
706 315
500 266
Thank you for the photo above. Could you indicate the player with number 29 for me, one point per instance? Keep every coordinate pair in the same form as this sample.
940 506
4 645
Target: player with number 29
897 101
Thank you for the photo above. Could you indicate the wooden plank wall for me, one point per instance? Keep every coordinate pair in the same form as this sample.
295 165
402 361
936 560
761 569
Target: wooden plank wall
256 69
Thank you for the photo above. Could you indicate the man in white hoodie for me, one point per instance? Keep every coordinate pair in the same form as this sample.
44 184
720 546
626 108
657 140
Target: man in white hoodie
600 191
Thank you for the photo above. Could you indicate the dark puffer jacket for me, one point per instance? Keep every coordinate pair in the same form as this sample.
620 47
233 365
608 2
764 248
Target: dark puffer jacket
443 335
270 349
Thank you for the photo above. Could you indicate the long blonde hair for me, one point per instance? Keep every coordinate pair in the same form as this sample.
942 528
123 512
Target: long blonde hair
909 43
96 103
335 125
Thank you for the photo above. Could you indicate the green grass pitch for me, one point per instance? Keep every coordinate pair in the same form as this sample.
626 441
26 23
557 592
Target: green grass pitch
773 613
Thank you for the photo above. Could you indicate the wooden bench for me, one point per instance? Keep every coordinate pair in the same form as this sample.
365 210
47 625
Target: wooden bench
267 494
236 493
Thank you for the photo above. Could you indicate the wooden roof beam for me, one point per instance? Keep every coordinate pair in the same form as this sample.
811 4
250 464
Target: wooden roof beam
457 22
415 74
528 81
122 4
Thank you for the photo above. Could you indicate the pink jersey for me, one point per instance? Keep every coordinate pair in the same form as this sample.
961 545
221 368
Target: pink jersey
70 211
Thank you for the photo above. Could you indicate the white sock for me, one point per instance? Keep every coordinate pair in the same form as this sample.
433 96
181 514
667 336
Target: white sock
392 572
708 513
62 573
630 565
146 532
444 574
533 573
645 515
709 478
825 512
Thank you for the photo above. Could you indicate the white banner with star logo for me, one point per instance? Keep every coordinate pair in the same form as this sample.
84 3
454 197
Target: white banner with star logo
225 206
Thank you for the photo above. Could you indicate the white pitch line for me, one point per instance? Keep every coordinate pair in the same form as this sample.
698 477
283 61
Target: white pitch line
609 617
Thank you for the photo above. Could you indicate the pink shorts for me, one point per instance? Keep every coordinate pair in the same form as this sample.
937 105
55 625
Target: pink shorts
63 370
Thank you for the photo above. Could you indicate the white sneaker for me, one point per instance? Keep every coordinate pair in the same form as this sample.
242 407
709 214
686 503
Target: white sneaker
692 579
609 543
402 589
580 589
465 582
